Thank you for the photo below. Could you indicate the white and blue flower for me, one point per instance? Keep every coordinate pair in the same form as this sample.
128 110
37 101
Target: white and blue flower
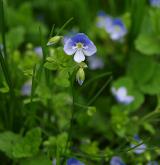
139 149
73 161
116 160
104 21
117 30
95 62
155 3
122 96
79 46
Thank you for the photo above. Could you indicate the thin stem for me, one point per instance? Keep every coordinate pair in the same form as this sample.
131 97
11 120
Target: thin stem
72 115
3 29
33 83
65 24
100 91
6 73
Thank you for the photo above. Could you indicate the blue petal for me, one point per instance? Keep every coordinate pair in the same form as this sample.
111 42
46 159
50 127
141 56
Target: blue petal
155 3
68 47
90 49
116 161
73 161
82 38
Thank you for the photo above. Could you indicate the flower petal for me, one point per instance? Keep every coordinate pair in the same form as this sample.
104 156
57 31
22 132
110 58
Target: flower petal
122 92
128 99
79 56
68 47
90 49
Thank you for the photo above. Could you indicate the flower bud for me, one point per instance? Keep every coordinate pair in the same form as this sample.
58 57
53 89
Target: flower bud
80 76
54 40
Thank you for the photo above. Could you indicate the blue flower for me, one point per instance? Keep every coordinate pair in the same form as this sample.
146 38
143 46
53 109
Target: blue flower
79 46
152 163
116 160
95 62
38 51
104 21
121 95
1 47
26 88
155 3
73 161
118 30
139 149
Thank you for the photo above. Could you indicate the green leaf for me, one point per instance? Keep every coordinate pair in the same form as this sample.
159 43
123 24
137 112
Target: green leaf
38 160
91 110
141 65
148 44
29 145
62 79
15 37
152 87
7 141
60 61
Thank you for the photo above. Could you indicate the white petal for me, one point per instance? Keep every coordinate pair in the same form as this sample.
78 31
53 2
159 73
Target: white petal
90 50
128 99
122 92
79 56
68 47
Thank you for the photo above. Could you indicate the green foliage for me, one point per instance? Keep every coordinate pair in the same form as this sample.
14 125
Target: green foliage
37 160
54 118
15 146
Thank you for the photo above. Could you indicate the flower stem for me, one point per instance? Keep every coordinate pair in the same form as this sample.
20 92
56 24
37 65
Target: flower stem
72 116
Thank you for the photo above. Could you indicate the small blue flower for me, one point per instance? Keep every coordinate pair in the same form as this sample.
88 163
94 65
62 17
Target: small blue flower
95 62
26 88
79 46
152 163
104 21
1 47
118 30
116 160
73 161
121 95
38 51
155 3
139 149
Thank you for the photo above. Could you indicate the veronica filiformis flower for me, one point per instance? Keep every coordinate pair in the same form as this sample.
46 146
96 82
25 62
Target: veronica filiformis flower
79 46
38 51
118 30
103 20
155 3
26 88
116 160
122 96
95 62
73 161
139 149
